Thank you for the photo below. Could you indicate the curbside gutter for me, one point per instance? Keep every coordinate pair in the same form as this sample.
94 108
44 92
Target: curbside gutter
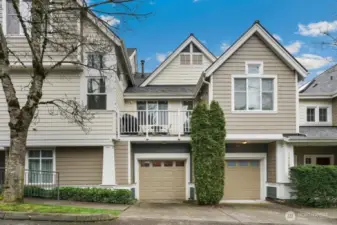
56 217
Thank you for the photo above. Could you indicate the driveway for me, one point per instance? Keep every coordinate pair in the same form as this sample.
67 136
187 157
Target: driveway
259 213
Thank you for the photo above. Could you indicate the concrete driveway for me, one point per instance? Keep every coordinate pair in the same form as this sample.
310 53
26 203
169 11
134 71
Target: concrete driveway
259 213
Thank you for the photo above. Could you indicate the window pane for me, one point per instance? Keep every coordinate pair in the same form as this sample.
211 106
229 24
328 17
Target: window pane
240 101
168 163
308 161
156 163
185 59
243 163
254 94
254 68
180 163
151 105
34 154
96 101
47 153
34 171
197 59
141 105
323 115
96 60
186 49
267 85
96 85
231 163
195 48
187 105
163 105
240 84
34 164
310 115
13 25
267 101
145 164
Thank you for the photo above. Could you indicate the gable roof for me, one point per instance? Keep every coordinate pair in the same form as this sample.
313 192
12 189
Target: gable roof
190 39
325 83
257 28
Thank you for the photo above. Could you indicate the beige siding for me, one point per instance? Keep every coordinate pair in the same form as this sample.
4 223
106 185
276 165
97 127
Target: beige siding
271 163
49 125
314 150
284 121
304 103
121 162
79 165
176 74
334 112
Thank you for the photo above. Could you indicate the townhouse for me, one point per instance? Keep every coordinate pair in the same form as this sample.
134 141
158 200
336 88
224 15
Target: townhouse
140 136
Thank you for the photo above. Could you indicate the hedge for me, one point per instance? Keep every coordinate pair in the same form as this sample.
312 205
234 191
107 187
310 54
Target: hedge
208 143
102 195
314 185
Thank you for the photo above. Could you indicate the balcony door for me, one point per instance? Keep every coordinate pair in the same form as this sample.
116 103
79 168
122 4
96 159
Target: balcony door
153 113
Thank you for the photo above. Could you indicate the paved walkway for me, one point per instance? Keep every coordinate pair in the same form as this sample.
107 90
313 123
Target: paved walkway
78 204
263 213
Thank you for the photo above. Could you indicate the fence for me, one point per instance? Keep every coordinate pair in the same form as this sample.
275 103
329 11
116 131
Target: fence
41 184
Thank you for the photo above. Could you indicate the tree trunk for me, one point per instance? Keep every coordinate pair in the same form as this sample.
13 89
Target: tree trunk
15 170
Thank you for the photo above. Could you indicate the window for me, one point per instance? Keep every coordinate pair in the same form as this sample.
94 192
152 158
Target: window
319 160
231 163
323 115
154 111
254 94
180 163
96 95
191 52
95 60
13 26
187 105
254 68
310 114
40 166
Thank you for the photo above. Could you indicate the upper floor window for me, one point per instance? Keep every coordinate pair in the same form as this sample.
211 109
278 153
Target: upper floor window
96 60
254 68
13 26
96 93
254 93
191 54
318 114
311 115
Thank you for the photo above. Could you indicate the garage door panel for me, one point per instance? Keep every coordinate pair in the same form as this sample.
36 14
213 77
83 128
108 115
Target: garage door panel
161 183
242 180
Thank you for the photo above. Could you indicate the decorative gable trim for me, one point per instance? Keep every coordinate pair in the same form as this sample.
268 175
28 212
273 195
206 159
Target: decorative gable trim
169 59
267 37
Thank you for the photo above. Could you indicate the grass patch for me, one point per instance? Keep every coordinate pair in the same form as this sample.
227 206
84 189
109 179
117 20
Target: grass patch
35 208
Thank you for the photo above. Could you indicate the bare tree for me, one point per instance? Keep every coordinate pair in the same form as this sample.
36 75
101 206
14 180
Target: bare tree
50 26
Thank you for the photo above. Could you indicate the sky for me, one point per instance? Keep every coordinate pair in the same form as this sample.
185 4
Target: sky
298 25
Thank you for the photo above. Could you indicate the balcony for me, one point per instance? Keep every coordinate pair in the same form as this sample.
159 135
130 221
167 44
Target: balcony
155 123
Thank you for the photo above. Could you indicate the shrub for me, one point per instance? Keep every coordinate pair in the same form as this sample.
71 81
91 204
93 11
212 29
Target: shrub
103 195
207 140
314 186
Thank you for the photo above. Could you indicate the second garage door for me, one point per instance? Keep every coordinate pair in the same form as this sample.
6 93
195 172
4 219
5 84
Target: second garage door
162 180
242 180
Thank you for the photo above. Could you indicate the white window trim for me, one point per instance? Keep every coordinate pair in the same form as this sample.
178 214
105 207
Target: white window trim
4 20
27 163
254 62
255 111
317 122
314 158
86 92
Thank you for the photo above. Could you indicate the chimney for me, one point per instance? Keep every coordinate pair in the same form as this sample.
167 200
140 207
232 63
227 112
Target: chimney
142 62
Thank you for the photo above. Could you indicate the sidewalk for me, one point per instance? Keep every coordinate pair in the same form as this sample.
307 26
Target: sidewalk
91 205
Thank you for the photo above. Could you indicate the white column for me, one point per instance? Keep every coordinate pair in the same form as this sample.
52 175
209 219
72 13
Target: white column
284 160
108 173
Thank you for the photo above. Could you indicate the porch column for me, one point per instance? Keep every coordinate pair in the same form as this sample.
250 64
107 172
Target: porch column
284 160
108 173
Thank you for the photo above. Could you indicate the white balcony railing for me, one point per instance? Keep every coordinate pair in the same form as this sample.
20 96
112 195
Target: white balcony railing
155 123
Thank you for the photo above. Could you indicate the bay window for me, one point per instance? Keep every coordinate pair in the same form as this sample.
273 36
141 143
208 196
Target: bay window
254 93
40 166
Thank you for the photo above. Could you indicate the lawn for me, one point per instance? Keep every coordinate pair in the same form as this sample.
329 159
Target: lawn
54 209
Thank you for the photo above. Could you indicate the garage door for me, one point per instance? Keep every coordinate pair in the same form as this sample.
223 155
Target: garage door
242 180
162 180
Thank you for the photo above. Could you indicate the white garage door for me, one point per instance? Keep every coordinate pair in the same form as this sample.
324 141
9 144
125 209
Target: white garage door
242 180
162 180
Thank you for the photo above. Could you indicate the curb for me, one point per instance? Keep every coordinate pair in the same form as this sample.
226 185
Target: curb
56 217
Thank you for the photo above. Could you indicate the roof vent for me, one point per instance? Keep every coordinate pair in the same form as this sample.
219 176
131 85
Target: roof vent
331 77
314 85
